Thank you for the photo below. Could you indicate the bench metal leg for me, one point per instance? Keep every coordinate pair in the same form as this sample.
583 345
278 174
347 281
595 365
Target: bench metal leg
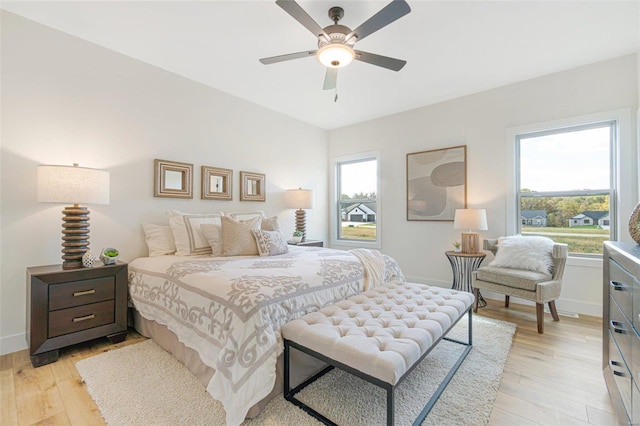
289 393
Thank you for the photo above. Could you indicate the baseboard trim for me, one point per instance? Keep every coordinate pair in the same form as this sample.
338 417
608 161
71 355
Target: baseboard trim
15 343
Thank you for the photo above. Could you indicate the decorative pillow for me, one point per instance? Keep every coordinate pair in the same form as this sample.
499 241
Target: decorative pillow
270 224
213 234
159 239
519 252
190 239
245 215
237 238
270 243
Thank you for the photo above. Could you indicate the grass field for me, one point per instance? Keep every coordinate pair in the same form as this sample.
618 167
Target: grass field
582 239
365 231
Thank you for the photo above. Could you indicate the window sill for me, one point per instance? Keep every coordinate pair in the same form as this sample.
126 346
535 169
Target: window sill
585 262
355 244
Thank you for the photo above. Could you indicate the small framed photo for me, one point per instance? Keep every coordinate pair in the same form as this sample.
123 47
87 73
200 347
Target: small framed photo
217 183
252 186
173 179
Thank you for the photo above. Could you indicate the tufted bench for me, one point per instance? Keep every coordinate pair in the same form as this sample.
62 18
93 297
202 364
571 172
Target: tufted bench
380 336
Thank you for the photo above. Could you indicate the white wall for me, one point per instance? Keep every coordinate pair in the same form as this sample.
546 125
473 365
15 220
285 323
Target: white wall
65 100
481 122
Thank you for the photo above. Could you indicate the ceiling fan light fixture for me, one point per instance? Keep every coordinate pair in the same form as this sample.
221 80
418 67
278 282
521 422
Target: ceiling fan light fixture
336 55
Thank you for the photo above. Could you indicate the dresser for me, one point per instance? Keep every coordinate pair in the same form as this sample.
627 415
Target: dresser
621 328
70 306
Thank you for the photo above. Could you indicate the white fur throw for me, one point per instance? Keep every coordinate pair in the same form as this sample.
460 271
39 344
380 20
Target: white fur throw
519 252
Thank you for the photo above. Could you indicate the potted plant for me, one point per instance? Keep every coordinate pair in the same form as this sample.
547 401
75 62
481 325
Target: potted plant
109 256
457 246
297 236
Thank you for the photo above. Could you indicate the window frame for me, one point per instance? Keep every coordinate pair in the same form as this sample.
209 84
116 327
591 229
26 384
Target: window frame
335 222
620 123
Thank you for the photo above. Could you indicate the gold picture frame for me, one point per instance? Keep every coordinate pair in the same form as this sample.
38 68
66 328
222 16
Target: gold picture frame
172 179
252 186
436 183
217 183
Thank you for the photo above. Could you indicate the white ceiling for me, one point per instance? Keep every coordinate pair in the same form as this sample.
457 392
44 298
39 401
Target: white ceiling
452 48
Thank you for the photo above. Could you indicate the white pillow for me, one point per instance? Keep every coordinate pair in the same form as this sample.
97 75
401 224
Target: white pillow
270 243
159 239
519 252
213 234
244 215
188 235
237 236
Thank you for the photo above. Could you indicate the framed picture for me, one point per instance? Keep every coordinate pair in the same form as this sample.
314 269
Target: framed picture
252 186
217 183
436 183
173 179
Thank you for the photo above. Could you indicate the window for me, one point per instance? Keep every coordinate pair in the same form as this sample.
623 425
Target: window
357 213
566 175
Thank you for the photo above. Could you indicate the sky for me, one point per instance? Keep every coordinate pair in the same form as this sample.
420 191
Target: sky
567 161
359 177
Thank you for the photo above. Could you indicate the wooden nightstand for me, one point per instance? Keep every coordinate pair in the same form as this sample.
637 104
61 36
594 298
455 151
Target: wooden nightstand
307 243
69 306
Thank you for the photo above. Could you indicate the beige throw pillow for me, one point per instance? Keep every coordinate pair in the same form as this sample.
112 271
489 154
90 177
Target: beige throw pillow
237 236
270 243
270 224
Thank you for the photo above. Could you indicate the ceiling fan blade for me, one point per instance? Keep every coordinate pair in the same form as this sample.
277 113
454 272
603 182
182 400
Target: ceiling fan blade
330 79
299 14
391 12
379 60
287 57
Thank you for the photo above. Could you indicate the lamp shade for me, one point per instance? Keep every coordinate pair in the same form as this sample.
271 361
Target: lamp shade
471 219
336 55
299 198
72 184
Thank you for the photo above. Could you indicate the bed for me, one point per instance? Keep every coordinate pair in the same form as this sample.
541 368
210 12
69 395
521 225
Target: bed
221 316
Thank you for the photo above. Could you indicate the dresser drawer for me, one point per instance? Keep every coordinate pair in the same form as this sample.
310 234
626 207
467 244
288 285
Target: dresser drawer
70 320
621 375
621 331
621 287
83 292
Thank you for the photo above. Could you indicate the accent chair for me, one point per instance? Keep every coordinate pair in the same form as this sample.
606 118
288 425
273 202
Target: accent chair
524 284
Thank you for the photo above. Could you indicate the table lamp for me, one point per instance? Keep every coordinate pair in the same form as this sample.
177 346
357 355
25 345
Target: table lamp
300 199
73 185
470 219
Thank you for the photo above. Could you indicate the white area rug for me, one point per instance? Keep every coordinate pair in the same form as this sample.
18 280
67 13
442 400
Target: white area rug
142 384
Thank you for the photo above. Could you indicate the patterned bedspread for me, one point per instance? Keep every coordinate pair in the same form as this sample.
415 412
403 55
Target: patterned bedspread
230 309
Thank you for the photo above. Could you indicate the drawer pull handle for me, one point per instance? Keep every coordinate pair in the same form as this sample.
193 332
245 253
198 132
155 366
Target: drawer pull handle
84 318
617 285
618 327
615 372
84 293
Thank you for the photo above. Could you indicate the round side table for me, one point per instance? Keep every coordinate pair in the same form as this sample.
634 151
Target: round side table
463 264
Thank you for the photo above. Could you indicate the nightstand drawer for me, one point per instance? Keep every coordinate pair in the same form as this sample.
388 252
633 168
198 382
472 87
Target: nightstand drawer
70 320
83 292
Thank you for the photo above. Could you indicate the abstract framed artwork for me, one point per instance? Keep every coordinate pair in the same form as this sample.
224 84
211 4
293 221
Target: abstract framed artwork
436 183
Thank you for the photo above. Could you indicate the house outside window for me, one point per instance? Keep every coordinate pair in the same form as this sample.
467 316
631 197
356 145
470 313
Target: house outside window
568 175
356 206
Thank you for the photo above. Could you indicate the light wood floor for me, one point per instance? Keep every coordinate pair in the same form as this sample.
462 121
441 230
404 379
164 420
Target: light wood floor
550 379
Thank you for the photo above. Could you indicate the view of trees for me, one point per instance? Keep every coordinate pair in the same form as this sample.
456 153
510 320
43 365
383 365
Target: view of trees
360 196
561 209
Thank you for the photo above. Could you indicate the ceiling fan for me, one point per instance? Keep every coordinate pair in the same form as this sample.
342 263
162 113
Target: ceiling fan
336 42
